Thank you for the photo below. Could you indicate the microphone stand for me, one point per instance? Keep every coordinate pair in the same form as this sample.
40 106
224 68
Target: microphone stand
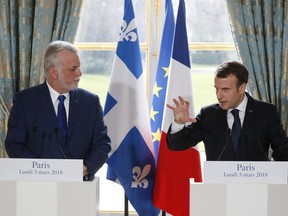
126 210
228 133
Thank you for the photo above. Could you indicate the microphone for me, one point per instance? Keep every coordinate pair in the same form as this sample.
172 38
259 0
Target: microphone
26 147
42 143
34 129
228 134
31 137
56 130
260 146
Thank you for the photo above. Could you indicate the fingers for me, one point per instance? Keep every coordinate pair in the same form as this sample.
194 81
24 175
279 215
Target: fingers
181 110
170 107
182 101
85 170
175 102
179 102
193 120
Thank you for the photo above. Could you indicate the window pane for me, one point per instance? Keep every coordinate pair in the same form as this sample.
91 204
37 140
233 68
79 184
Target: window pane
96 68
203 66
101 20
207 21
211 58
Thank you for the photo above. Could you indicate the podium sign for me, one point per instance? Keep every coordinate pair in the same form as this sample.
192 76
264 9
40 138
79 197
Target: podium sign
245 172
41 170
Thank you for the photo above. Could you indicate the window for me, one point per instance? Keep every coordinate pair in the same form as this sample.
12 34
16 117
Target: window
210 43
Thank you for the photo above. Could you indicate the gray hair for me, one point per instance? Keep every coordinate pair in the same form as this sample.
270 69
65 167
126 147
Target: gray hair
55 47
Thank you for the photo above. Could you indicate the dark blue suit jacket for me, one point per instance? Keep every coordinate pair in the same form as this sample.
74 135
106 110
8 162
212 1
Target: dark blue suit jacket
33 128
261 129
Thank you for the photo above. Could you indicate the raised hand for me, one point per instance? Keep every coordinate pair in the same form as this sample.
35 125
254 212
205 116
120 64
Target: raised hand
181 111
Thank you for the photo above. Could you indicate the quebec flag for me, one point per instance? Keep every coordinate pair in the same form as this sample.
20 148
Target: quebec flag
131 161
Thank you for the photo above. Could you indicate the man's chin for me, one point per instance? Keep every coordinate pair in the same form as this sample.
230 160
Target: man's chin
74 86
223 106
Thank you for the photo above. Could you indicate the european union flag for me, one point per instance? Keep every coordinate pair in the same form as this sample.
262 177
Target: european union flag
160 86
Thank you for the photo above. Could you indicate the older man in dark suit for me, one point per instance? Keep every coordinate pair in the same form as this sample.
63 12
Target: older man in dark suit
237 128
33 127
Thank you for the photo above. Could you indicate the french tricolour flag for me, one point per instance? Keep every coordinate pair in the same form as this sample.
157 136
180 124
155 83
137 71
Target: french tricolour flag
175 168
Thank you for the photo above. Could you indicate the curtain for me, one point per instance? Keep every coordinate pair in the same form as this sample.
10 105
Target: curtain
260 31
26 29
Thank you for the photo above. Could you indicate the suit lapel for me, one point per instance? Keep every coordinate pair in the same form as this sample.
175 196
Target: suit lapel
222 119
249 116
46 103
225 133
73 110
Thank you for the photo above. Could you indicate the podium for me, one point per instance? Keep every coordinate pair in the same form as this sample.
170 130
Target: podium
238 198
28 198
47 198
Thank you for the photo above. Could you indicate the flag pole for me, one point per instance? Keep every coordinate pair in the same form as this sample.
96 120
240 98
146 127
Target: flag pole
126 210
163 213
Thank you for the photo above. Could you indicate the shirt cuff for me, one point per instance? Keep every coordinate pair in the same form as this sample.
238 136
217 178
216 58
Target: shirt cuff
175 127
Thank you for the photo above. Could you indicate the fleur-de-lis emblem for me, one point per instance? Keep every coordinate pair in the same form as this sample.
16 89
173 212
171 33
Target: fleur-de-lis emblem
127 32
139 177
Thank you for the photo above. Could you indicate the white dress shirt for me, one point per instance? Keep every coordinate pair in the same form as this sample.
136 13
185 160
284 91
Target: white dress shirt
54 97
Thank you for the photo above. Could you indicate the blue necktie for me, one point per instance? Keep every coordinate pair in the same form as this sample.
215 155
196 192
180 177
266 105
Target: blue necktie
61 116
236 128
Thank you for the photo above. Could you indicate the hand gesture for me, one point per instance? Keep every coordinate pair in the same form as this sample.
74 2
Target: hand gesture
181 111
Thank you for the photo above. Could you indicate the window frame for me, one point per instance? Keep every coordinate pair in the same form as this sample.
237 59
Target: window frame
155 18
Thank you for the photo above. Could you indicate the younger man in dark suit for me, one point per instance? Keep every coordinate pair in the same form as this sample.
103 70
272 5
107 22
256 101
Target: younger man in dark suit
259 124
33 127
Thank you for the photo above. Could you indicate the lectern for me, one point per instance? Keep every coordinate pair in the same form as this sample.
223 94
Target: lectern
28 197
241 196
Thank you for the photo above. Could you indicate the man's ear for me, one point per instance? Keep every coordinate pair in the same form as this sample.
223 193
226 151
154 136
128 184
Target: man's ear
243 87
53 72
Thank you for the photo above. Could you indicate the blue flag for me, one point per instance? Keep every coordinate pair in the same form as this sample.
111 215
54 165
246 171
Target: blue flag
131 161
160 86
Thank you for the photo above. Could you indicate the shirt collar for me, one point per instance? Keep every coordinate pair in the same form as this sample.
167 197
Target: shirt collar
242 106
54 94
